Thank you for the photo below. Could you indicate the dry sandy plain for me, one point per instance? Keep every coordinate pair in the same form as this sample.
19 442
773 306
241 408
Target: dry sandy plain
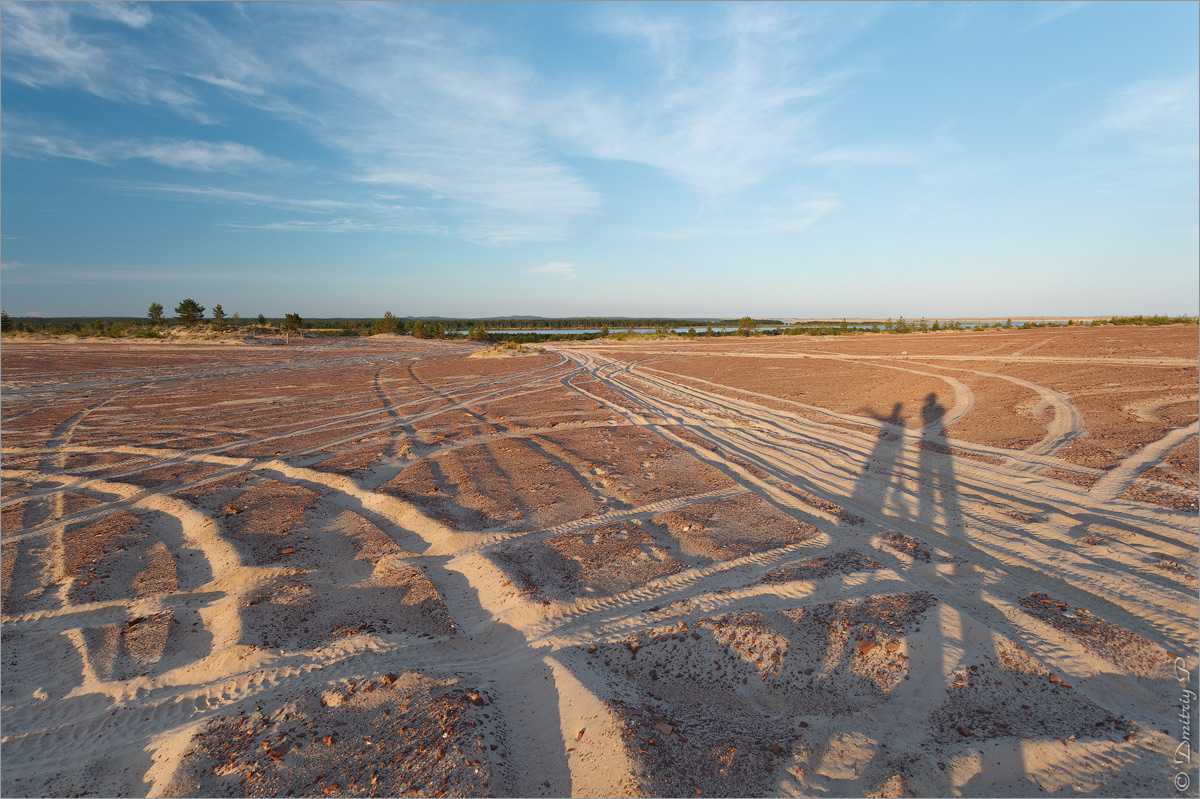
944 564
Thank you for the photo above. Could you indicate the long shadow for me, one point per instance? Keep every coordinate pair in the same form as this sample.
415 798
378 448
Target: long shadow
938 510
938 495
883 457
967 710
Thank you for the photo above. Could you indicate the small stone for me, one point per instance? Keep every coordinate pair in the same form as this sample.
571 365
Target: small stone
803 724
476 699
963 731
591 649
579 735
665 729
892 646
1053 678
865 647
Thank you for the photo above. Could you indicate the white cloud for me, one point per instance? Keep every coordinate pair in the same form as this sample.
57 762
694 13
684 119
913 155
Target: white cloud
1153 105
419 102
135 15
43 49
197 156
33 145
202 156
1047 12
737 99
339 226
386 216
890 156
84 275
417 99
219 195
561 269
791 218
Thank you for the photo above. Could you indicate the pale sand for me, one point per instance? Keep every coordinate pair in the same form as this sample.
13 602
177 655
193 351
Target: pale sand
386 568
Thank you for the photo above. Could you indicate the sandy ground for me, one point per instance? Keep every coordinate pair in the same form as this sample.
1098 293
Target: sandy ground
956 564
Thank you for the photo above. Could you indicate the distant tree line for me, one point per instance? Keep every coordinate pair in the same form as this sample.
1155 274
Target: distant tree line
189 313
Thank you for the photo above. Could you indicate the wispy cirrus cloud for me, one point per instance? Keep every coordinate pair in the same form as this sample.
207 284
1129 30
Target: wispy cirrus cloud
45 48
889 156
339 226
1047 12
380 213
735 100
52 274
135 15
469 114
786 218
562 269
1159 117
197 156
203 156
1153 105
411 98
216 194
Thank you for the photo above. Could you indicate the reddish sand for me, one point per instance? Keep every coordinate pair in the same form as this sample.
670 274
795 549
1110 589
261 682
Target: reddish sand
960 563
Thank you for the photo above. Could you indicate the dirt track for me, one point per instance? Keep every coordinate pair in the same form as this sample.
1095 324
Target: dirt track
953 564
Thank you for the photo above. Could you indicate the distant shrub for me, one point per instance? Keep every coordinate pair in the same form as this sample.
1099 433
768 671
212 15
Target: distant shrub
1158 319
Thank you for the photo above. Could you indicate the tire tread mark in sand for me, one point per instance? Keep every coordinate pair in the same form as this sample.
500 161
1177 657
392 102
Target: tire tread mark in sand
1032 573
1126 472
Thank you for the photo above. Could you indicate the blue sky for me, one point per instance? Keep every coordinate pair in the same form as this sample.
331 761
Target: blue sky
463 159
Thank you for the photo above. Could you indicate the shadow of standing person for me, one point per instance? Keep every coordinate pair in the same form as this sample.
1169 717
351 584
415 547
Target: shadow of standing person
938 487
882 461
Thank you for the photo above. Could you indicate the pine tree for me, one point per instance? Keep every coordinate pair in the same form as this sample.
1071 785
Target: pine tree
218 317
155 313
387 324
189 311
